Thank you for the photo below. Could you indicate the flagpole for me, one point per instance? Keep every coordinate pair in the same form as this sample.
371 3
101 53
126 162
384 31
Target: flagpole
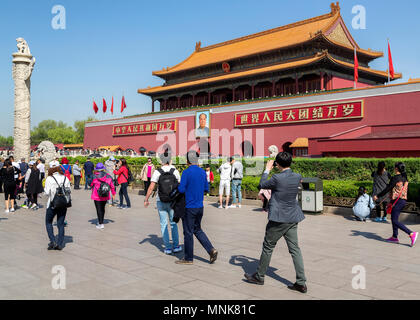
354 78
388 64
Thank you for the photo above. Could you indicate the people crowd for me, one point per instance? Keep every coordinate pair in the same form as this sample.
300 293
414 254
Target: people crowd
180 197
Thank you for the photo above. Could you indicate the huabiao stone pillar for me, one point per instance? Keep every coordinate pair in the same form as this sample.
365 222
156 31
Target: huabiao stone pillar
23 64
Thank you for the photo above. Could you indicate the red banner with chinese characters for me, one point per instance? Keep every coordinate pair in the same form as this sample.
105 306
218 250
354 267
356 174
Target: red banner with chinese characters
340 111
144 128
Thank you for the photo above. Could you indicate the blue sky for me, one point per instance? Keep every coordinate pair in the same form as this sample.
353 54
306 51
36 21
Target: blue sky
111 47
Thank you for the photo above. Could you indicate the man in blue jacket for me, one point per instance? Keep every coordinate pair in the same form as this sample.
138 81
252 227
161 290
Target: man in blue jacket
194 185
88 167
284 214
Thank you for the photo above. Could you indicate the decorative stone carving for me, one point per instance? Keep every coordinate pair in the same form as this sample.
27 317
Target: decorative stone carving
197 46
47 151
273 151
23 65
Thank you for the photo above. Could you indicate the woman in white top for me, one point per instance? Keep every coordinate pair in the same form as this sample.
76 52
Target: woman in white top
363 205
55 179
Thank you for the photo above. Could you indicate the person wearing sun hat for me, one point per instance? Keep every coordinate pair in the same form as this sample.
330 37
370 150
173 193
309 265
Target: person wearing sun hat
102 185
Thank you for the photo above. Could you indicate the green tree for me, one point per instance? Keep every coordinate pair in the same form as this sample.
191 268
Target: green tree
6 142
80 129
40 132
62 135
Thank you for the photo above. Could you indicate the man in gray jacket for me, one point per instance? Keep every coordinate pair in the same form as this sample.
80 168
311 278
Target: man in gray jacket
284 214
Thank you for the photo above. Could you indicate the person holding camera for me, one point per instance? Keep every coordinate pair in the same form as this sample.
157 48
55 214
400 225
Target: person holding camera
121 171
284 215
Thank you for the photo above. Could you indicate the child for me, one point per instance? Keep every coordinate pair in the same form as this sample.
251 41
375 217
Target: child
210 177
363 205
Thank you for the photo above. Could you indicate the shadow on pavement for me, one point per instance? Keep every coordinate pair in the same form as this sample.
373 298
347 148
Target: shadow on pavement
249 265
153 239
68 239
106 221
373 236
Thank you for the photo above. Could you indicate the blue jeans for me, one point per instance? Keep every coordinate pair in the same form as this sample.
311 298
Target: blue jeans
61 216
395 214
88 181
236 186
191 222
164 209
123 192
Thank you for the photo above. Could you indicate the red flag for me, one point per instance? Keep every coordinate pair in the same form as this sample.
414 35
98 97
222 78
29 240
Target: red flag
112 106
391 66
104 105
95 107
123 105
356 67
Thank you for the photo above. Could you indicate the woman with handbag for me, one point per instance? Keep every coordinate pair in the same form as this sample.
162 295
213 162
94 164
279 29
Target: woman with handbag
56 204
398 187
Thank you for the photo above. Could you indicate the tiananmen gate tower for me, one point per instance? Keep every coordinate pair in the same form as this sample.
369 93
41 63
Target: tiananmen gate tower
296 82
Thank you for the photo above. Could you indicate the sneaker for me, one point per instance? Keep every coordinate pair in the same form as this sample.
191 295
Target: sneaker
33 206
7 211
168 251
393 240
413 238
384 219
239 206
12 210
182 261
232 206
24 206
102 226
177 249
98 226
377 219
220 207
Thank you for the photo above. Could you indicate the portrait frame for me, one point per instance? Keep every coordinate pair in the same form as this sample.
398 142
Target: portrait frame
201 134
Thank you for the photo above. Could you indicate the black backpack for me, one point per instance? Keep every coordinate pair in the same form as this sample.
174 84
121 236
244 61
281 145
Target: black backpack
62 197
104 189
166 184
130 176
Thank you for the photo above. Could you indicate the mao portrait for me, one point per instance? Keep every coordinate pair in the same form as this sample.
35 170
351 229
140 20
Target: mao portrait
202 124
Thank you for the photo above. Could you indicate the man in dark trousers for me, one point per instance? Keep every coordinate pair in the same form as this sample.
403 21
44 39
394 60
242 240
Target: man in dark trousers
194 185
88 167
284 214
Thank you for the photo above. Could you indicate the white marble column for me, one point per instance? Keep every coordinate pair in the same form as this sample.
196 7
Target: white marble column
23 64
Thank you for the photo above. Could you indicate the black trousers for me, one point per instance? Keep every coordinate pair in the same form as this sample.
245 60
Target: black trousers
100 210
378 209
33 198
76 182
146 185
1 185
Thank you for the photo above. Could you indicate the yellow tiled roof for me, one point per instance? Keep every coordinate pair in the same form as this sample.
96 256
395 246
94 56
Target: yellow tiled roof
300 143
272 39
233 75
277 67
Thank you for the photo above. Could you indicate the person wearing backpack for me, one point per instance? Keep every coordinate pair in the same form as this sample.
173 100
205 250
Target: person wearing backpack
101 185
363 205
167 178
66 168
57 188
123 174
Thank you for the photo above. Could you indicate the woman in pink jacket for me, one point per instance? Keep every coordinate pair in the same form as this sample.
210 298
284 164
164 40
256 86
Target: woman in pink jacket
101 186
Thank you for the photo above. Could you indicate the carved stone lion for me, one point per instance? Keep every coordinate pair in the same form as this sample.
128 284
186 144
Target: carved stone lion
273 151
47 150
22 46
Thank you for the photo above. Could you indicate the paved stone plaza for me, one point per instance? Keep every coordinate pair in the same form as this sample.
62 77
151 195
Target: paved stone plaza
126 259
